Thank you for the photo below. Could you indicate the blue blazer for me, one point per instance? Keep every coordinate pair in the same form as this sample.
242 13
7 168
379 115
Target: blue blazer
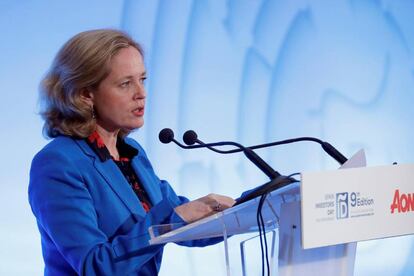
90 220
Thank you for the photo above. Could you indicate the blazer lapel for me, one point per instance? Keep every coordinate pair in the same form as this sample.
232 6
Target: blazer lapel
149 180
115 179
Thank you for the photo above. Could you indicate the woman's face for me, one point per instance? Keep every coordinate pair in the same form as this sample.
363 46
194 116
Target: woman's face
119 100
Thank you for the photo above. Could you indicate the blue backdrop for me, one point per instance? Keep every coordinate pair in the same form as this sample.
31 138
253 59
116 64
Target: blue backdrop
249 71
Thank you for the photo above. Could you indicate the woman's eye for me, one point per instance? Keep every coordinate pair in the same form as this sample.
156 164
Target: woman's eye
125 83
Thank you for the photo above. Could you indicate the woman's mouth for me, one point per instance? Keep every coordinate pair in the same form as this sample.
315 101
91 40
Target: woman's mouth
139 112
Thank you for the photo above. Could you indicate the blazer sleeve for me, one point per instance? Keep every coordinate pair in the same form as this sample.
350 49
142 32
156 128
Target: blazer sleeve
168 192
65 211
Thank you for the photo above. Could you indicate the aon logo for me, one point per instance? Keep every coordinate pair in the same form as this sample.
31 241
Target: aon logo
402 202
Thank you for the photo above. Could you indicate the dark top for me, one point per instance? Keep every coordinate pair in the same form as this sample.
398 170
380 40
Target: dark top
126 153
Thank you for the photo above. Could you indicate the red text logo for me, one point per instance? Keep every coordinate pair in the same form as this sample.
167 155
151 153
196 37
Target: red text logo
402 202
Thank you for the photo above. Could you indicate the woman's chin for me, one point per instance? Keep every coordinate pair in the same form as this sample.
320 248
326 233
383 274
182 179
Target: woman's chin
134 126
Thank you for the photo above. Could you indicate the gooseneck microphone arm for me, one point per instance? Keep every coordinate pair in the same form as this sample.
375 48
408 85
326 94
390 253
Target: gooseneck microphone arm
166 136
276 179
190 138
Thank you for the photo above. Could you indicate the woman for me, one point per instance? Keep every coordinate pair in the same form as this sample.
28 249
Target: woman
92 189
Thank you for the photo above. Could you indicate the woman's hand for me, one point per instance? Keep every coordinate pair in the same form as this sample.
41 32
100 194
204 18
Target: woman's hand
203 207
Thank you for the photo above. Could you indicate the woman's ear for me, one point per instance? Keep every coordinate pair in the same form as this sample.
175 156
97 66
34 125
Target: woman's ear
86 95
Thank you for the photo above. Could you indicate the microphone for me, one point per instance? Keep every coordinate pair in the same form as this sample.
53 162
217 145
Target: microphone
166 136
190 138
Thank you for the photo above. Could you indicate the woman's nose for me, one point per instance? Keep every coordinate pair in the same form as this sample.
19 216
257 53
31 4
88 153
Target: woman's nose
140 92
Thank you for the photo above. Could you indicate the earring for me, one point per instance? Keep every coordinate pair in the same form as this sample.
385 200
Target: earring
93 112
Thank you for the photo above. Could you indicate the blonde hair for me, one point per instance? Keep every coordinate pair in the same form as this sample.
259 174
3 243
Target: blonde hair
81 63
